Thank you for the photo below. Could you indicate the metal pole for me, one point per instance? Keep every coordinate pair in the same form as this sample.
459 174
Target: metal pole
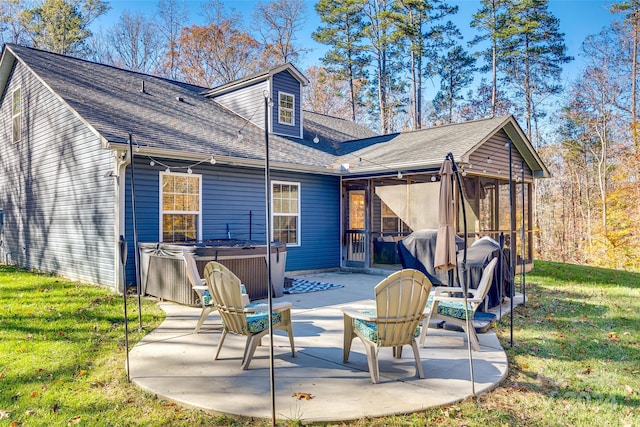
135 234
465 281
123 261
524 254
267 192
512 239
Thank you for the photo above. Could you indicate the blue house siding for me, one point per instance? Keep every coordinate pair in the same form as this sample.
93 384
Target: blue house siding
58 205
285 82
234 196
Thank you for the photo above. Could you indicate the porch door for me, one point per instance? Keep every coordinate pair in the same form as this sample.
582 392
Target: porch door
355 242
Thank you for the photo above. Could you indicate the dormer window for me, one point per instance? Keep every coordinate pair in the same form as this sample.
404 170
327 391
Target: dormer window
286 103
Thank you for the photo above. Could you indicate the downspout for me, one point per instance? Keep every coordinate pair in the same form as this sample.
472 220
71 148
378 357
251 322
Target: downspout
121 161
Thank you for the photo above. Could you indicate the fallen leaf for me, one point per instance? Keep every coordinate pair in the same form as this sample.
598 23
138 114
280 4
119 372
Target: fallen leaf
55 408
14 424
628 389
74 420
588 371
613 336
81 373
30 412
301 396
34 393
4 414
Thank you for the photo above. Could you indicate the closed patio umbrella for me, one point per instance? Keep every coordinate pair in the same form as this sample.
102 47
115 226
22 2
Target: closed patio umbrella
446 255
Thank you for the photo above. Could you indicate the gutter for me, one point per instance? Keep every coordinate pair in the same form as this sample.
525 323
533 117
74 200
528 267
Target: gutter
257 163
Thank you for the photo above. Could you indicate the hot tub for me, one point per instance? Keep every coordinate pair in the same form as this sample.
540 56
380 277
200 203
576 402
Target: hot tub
163 274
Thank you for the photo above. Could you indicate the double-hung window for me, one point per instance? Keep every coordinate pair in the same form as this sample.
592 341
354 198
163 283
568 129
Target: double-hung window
286 103
180 207
16 115
285 219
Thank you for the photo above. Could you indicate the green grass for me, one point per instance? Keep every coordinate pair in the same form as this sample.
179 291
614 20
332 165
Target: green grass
575 359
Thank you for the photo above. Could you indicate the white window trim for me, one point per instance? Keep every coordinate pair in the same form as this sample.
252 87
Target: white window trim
298 215
162 212
293 109
13 115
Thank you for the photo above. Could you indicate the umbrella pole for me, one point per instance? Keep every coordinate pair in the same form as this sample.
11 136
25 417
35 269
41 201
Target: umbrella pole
465 283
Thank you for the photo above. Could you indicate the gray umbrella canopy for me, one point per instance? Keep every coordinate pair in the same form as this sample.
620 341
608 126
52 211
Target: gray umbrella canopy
445 256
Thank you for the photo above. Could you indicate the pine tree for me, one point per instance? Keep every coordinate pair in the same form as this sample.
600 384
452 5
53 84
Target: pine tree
487 20
62 26
343 32
532 52
418 24
455 70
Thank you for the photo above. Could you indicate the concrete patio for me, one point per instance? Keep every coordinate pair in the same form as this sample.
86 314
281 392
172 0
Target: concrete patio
176 364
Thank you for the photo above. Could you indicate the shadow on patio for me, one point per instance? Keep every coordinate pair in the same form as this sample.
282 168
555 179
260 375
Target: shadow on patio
176 364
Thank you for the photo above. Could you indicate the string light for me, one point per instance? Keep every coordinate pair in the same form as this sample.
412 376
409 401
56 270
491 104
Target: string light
399 175
152 163
240 135
213 160
316 139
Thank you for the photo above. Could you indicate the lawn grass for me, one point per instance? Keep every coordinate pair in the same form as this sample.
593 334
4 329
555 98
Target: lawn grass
575 359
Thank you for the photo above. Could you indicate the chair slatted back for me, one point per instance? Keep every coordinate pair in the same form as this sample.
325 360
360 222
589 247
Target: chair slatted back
226 293
485 282
192 269
400 303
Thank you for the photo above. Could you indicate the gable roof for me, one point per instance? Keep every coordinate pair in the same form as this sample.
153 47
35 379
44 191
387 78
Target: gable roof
169 118
427 148
256 78
175 120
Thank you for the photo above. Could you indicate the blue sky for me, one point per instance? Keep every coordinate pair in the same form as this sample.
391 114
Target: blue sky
578 18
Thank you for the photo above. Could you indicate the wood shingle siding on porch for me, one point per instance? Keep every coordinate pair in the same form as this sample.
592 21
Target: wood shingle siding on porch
495 149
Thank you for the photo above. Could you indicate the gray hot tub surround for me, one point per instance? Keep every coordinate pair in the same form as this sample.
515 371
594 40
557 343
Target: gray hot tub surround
163 274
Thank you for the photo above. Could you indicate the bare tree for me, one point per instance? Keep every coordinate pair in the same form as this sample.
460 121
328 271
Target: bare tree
172 16
11 28
136 42
278 21
326 94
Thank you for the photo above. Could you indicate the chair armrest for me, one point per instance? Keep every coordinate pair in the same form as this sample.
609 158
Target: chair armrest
355 314
456 299
200 288
439 290
280 306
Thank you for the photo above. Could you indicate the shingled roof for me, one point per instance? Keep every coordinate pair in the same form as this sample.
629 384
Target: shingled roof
175 119
426 148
